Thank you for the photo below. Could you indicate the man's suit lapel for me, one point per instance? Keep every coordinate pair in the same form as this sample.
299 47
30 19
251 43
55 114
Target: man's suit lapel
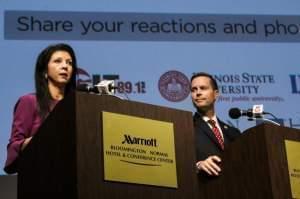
203 126
225 130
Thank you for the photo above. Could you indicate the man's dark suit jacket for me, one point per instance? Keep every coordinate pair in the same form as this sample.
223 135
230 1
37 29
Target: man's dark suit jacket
206 142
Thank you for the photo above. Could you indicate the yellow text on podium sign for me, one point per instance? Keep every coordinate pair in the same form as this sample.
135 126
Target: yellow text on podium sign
138 150
293 158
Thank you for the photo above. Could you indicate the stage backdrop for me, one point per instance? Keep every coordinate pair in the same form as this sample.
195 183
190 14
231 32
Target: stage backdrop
151 49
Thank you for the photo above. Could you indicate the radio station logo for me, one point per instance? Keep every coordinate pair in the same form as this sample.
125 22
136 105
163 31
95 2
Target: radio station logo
122 86
83 77
174 86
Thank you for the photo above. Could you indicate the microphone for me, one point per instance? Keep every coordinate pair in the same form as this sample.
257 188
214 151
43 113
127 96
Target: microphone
106 87
87 88
256 112
235 113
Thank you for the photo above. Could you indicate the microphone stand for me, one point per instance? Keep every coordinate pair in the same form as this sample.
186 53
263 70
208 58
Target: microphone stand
265 120
260 117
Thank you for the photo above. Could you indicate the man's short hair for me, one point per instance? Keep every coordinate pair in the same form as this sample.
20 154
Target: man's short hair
203 74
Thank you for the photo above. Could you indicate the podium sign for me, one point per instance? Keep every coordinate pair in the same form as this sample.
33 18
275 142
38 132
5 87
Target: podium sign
138 150
293 160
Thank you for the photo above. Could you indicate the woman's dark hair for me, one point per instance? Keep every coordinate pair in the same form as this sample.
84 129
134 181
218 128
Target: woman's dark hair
212 79
41 84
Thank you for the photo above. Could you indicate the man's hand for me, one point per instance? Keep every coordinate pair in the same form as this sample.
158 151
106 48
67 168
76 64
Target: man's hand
210 165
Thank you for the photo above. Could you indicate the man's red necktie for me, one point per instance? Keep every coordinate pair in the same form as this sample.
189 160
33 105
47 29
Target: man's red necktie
217 133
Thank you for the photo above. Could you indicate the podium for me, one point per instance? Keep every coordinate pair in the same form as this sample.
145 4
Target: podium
65 157
253 166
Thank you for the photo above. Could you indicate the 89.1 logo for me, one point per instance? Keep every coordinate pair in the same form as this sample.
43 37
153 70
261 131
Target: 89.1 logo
127 87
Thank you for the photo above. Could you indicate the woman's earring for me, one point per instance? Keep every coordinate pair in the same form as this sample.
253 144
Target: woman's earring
46 76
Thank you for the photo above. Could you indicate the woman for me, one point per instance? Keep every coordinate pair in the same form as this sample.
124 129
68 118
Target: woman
55 77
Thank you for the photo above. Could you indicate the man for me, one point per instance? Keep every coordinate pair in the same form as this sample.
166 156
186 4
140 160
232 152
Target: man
212 135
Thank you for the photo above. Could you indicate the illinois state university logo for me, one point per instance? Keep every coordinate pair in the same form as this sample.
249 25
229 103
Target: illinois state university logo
174 86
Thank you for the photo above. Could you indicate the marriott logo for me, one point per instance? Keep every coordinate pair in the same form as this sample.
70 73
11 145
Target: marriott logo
128 139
